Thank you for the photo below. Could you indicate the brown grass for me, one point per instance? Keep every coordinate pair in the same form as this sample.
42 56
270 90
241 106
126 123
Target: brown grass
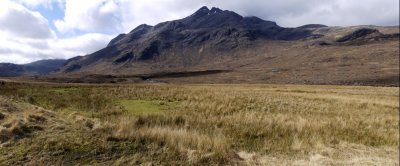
214 124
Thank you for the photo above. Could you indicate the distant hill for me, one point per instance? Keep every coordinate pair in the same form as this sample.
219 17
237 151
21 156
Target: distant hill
35 68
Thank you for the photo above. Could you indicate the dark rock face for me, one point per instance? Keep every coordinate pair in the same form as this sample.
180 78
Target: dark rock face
363 32
34 68
150 51
124 58
135 34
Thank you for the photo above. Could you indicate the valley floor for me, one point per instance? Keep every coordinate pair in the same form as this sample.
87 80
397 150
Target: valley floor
73 124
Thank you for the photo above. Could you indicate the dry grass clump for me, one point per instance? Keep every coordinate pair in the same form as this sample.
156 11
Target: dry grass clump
16 123
18 128
13 130
7 106
198 147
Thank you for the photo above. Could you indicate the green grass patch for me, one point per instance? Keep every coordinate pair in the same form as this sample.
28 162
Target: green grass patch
140 107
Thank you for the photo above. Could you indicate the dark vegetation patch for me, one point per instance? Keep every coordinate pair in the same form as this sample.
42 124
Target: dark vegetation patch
138 78
392 81
181 74
313 26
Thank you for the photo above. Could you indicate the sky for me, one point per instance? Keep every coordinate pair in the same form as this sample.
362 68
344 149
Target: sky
32 30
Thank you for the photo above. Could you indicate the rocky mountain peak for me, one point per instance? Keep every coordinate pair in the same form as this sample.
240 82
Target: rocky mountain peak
213 28
201 12
140 28
214 18
215 10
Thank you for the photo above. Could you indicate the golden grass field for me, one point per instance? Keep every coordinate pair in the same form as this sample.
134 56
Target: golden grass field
209 124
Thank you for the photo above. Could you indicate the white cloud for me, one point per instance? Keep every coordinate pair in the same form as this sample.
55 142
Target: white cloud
19 50
117 16
329 12
290 13
138 12
90 16
25 36
22 50
21 22
11 58
80 45
36 3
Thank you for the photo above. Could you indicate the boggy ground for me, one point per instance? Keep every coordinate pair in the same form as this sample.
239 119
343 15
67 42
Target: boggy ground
73 124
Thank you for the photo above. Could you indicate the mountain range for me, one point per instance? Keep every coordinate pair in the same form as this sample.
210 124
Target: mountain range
221 46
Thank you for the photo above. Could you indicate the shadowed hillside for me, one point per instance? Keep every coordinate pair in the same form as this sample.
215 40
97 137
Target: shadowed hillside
35 68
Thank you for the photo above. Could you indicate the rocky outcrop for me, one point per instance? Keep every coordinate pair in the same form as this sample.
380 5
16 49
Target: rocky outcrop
360 33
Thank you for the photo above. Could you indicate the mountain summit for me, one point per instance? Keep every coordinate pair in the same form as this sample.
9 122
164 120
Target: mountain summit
216 28
231 47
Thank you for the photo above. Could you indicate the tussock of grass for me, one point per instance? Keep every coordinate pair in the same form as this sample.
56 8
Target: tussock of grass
139 107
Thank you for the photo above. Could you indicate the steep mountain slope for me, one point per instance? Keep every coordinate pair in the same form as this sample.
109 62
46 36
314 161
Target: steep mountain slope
221 30
213 45
35 68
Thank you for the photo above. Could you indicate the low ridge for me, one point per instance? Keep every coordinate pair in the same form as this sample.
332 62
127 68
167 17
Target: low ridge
40 67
